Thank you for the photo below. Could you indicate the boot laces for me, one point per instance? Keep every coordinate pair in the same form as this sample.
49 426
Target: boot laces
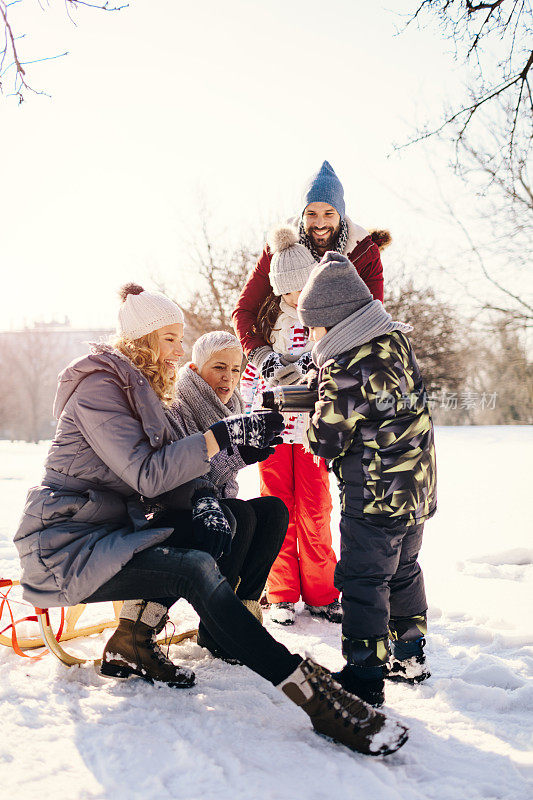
158 653
345 705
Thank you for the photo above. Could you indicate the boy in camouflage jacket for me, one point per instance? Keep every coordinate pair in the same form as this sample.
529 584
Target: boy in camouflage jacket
373 424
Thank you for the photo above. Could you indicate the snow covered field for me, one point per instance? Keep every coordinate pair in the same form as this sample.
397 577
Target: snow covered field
71 734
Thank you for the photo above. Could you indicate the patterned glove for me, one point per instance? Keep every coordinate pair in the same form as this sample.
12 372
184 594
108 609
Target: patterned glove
252 455
276 373
305 362
210 529
252 430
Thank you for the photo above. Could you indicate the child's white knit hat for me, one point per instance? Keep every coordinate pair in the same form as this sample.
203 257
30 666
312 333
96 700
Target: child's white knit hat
291 262
143 312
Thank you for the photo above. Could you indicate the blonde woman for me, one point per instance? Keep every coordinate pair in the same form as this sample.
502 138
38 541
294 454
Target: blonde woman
87 533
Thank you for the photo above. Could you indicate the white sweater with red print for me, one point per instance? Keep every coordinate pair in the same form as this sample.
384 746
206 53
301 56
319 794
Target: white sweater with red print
289 339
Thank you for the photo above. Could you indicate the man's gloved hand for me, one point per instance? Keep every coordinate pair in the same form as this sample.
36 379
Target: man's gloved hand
252 455
305 362
210 529
251 430
310 379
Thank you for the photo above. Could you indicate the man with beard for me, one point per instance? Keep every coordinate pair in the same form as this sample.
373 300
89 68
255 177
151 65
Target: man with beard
322 226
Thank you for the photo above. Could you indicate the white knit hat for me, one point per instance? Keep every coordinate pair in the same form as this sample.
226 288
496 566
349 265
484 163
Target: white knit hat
291 262
143 312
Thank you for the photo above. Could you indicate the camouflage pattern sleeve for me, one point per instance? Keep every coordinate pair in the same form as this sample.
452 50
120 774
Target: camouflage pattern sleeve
342 403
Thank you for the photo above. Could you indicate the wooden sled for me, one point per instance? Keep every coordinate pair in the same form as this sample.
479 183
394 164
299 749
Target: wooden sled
69 660
70 630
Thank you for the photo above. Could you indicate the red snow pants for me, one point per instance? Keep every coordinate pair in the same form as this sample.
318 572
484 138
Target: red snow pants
306 562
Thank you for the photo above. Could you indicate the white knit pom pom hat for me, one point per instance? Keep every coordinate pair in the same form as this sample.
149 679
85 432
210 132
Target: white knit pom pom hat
291 262
143 312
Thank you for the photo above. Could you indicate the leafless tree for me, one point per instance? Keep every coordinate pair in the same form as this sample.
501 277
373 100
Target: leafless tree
438 335
475 29
473 376
504 371
13 59
32 359
498 234
222 272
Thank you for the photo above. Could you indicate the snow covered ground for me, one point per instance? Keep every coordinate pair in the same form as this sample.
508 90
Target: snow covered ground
69 733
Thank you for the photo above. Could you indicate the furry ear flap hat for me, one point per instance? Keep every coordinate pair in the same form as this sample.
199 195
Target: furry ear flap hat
325 187
291 262
143 312
333 292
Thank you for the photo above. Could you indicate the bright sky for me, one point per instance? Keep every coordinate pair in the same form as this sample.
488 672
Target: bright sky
168 104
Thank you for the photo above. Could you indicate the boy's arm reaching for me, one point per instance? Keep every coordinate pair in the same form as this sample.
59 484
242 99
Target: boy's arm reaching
341 404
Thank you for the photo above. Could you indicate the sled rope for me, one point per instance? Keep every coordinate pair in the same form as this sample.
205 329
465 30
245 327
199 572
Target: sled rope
30 618
50 640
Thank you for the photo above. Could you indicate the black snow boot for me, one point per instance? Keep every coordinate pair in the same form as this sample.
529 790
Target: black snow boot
133 648
332 612
366 663
340 715
408 663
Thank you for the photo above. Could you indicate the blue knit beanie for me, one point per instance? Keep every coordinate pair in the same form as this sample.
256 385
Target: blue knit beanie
325 187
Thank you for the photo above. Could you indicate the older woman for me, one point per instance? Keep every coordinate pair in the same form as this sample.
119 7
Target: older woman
86 534
206 392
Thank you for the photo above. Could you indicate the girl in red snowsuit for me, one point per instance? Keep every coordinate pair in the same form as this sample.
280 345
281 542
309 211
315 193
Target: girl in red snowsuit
306 563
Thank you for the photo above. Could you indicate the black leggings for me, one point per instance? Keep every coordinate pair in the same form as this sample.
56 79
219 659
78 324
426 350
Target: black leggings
261 527
167 572
258 526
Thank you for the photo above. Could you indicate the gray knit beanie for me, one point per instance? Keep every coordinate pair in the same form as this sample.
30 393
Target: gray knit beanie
333 292
291 262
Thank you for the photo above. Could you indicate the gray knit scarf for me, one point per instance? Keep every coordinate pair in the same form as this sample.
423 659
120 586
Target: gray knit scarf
342 238
197 404
195 408
364 325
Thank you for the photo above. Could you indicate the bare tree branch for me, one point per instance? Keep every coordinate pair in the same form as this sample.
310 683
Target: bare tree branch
504 25
11 50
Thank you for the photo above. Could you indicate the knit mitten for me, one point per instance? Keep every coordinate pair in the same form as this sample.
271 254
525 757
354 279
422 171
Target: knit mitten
211 530
305 362
252 455
258 429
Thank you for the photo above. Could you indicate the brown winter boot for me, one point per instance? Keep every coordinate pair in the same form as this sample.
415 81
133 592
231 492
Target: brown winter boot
133 649
340 715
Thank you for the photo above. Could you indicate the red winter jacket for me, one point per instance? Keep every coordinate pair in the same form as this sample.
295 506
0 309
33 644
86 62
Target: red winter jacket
362 250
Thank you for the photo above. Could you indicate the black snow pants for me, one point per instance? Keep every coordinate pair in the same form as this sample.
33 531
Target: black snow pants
379 576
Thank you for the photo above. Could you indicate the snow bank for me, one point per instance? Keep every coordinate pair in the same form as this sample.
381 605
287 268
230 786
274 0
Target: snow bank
234 737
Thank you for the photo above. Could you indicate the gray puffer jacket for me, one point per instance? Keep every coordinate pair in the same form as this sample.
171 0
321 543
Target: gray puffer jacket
113 447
